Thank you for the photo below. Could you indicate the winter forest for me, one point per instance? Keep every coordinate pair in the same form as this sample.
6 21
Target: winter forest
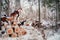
29 19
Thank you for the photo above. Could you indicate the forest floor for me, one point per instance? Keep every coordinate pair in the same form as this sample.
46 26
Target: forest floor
37 34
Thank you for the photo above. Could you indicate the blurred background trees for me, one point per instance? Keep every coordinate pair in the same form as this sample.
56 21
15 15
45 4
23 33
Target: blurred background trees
54 5
36 9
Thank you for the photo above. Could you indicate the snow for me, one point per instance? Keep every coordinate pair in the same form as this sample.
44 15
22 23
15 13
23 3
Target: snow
55 37
46 23
32 34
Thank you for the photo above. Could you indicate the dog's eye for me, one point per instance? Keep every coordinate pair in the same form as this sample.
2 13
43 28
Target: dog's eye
3 32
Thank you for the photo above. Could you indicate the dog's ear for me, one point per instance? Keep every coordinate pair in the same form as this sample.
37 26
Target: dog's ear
16 12
19 10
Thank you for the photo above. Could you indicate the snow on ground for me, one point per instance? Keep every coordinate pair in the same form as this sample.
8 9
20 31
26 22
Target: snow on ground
52 35
34 34
47 23
55 37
